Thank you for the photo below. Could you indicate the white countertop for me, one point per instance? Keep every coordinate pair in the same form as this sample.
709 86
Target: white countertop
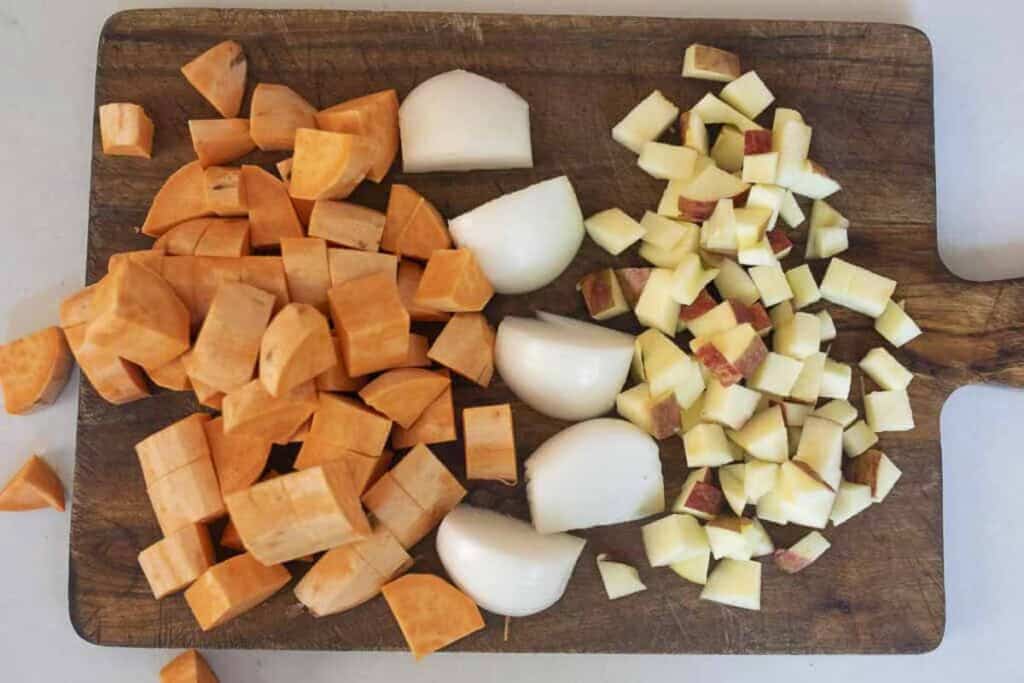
47 63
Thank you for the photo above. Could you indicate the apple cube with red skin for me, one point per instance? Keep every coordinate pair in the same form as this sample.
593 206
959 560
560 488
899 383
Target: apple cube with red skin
821 449
700 306
721 318
689 279
632 282
812 180
733 354
805 499
759 318
710 63
669 369
658 416
700 194
699 496
602 294
757 142
780 243
802 554
875 470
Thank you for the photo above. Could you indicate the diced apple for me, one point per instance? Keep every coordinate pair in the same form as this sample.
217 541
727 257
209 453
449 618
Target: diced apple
751 225
619 579
733 282
795 414
667 162
703 304
813 181
760 254
851 500
726 537
885 371
805 499
805 289
792 140
722 317
694 569
799 337
710 64
783 116
856 288
699 496
758 540
828 327
802 554
764 436
776 375
714 110
790 210
657 306
663 233
821 449
731 406
602 294
781 312
708 185
808 384
759 478
693 133
839 411
634 404
895 325
858 439
771 284
645 122
733 354
757 142
687 281
889 411
836 380
760 168
728 149
769 506
718 234
706 446
668 369
748 94
875 470
673 538
736 583
767 197
613 230
732 478
760 319
670 258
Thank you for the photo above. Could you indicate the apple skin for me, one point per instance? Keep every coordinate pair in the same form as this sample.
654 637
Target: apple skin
665 416
759 318
751 358
864 469
725 372
602 294
705 498
701 305
632 281
780 242
757 142
790 562
696 210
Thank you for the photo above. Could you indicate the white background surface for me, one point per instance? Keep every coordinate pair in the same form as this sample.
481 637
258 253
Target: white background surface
47 62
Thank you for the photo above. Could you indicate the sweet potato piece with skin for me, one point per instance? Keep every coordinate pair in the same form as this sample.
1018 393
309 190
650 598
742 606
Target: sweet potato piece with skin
306 267
233 587
228 345
431 612
225 237
345 425
435 425
276 113
466 346
225 191
372 324
329 165
346 224
251 411
33 487
404 394
454 282
271 214
409 275
172 563
398 511
182 197
188 667
491 443
219 76
76 308
220 141
352 264
238 459
34 370
181 240
125 130
116 380
338 378
296 348
374 116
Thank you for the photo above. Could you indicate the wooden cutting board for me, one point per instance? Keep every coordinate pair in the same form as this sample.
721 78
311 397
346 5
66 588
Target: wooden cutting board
866 89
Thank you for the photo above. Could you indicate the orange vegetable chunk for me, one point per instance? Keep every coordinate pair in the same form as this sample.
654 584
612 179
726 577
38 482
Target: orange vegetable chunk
181 240
404 394
220 141
490 443
172 563
414 228
276 113
296 348
230 539
338 377
224 237
33 487
346 224
147 258
172 376
303 207
409 275
34 370
232 588
271 214
374 116
125 130
329 165
352 264
428 482
252 411
435 425
397 511
372 324
306 267
418 347
225 353
116 380
466 346
431 612
225 191
181 198
219 76
238 459
453 281
187 495
188 667
76 308
341 426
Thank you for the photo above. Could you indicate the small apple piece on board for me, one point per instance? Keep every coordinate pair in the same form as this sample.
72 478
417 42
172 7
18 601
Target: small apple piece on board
821 449
759 319
760 168
667 162
736 583
808 385
634 404
858 439
839 411
645 122
873 469
776 375
812 180
669 369
805 499
791 211
896 326
727 152
792 140
828 326
670 258
764 436
799 337
694 569
706 446
719 234
693 133
673 539
701 306
889 411
802 554
710 64
721 318
602 294
766 197
781 312
856 288
795 414
619 579
748 94
758 540
688 280
885 371
613 230
631 283
851 500
757 142
770 509
734 354
771 284
836 380
714 110
657 306
661 232
699 496
759 478
732 478
733 282
727 539
805 289
731 406
699 195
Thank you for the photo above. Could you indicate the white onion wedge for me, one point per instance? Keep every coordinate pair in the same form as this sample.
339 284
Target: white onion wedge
598 472
502 563
461 121
564 368
525 239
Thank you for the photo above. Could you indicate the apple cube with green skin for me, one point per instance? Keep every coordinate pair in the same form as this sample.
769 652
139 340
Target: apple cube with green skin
730 406
873 469
632 282
780 313
828 327
802 554
613 230
661 232
656 307
667 162
790 210
792 140
695 569
733 354
727 151
731 478
736 583
821 449
718 234
748 94
670 258
888 411
687 281
706 446
885 371
805 499
726 537
776 375
836 380
602 294
672 539
619 579
710 63
714 110
699 496
856 288
771 284
805 289
895 325
808 385
799 337
759 478
758 540
764 436
645 122
813 181
733 282
839 411
851 500
858 439
693 133
795 414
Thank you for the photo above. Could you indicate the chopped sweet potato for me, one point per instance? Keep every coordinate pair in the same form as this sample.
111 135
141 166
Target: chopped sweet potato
428 482
338 378
329 165
490 443
171 376
454 282
251 411
346 224
224 237
76 308
228 345
342 425
303 207
372 324
230 539
172 563
261 272
267 273
220 141
466 346
34 370
116 380
206 395
173 447
431 612
275 114
125 130
418 348
181 198
413 228
295 349
180 274
402 203
188 667
181 240
219 76
271 214
351 264
33 487
409 275
238 459
307 270
233 587
225 191
147 258
435 425
404 394
397 511
374 116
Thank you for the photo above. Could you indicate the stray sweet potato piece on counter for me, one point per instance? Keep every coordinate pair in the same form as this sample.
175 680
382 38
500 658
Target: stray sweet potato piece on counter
374 116
414 228
238 460
466 346
172 563
33 487
329 165
296 348
351 264
76 308
346 224
409 275
275 114
225 353
34 370
490 443
271 214
188 667
342 425
372 324
431 612
251 411
116 380
224 237
219 76
125 130
181 240
220 141
225 191
338 378
435 425
404 394
454 282
307 270
181 198
233 587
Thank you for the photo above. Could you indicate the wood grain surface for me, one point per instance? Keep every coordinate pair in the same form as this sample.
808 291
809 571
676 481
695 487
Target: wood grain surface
867 91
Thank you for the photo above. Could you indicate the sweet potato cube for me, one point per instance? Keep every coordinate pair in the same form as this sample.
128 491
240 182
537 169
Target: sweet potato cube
414 227
181 198
404 394
220 141
181 240
402 203
329 165
466 346
271 214
303 207
306 267
365 470
173 447
454 282
340 426
138 316
187 495
219 76
172 563
228 345
346 224
225 191
76 308
224 237
428 482
276 113
181 273
172 376
252 411
238 459
33 487
372 324
296 348
233 587
188 667
125 130
490 443
435 425
397 511
261 272
147 258
338 378
266 273
116 380
207 395
409 275
374 116
431 612
351 264
34 370
418 348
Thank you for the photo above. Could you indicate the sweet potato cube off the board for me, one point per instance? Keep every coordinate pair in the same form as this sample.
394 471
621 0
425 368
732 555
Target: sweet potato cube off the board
431 612
329 165
34 370
220 141
173 563
276 113
453 281
232 588
116 380
125 130
372 324
404 394
33 487
466 346
296 348
181 198
414 228
219 76
490 443
188 667
374 116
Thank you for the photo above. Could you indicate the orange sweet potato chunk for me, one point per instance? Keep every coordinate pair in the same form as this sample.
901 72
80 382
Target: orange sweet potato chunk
220 141
374 116
116 380
271 214
296 348
404 394
75 309
414 228
303 207
173 447
409 275
402 202
435 425
372 324
125 130
346 224
225 191
238 459
306 267
418 348
225 353
230 539
172 563
490 443
397 511
181 240
338 377
453 281
33 487
431 612
188 667
266 273
329 165
188 495
181 198
276 113
466 346
342 425
428 482
232 588
224 237
219 76
34 370
252 411
147 258
207 395
352 264
172 376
